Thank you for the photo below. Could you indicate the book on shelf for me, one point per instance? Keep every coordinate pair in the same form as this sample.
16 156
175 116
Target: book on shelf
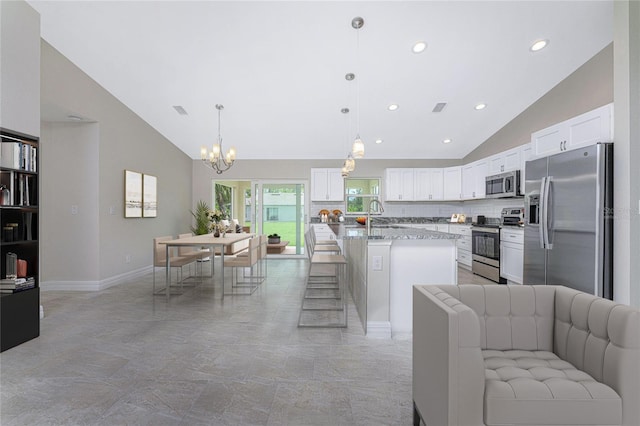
13 285
18 155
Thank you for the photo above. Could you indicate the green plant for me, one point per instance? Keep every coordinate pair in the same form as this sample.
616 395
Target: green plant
201 217
273 236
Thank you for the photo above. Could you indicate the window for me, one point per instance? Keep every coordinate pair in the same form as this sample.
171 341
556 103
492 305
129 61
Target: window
359 193
272 214
224 199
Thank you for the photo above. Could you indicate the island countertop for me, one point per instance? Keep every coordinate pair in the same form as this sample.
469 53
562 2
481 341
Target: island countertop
388 232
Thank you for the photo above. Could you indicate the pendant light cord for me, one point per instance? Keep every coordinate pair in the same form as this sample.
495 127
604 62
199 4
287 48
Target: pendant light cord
358 81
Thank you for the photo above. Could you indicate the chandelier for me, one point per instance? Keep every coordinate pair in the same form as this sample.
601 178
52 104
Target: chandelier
215 158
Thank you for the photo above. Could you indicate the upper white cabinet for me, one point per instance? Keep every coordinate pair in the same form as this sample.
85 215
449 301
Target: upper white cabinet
399 184
327 185
407 184
452 185
583 130
525 155
473 179
505 161
20 76
428 184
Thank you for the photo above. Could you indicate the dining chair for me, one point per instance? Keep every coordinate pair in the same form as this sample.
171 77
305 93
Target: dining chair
244 262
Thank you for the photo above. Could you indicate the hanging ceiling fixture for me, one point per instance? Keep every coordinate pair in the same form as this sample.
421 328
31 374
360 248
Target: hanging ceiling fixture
349 164
215 159
358 144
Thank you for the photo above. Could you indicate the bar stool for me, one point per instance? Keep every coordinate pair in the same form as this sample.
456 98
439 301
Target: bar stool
324 303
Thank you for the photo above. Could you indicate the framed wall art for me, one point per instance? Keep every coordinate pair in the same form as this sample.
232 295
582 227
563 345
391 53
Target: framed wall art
132 194
149 196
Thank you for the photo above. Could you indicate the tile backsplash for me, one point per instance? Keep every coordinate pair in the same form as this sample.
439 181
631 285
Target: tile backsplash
487 207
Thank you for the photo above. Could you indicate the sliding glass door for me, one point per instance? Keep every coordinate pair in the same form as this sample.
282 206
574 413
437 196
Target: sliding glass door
267 207
281 208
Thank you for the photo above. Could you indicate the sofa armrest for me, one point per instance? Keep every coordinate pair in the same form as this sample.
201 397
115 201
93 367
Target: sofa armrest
602 338
448 369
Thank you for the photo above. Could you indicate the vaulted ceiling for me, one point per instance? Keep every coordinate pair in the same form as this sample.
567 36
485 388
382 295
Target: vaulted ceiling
279 68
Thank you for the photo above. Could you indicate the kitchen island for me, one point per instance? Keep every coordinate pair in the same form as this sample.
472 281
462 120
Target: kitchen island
383 266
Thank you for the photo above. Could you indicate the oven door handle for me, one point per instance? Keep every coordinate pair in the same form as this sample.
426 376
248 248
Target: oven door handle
542 222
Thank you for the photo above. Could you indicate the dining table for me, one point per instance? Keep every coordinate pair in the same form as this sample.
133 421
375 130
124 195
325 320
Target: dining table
204 241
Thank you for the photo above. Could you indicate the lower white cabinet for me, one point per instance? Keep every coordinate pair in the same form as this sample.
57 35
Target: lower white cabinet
512 254
463 244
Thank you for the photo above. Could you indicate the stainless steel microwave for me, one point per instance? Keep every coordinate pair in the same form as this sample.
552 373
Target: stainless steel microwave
504 185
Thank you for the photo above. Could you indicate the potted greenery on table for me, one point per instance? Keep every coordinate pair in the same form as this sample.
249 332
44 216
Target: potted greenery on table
273 239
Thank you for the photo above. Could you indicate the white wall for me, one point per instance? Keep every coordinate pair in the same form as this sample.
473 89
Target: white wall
627 152
90 167
19 68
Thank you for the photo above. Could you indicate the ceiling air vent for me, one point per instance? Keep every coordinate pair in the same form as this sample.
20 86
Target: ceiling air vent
439 107
180 110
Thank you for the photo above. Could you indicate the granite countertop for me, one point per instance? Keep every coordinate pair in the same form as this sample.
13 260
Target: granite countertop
388 232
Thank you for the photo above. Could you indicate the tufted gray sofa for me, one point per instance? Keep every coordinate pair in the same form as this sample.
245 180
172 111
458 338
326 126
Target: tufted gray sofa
523 355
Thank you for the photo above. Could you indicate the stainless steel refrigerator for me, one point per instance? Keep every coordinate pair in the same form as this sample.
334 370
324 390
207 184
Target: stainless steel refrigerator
568 235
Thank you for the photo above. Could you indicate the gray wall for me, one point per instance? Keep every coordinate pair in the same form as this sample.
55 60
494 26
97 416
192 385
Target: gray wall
587 88
84 164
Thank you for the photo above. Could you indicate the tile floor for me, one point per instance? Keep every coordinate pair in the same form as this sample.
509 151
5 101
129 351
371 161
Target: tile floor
122 356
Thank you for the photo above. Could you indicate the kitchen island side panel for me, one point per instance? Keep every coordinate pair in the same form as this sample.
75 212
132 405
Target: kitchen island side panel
417 262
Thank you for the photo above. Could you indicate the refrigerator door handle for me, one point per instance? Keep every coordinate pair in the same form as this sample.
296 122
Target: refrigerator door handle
546 201
542 223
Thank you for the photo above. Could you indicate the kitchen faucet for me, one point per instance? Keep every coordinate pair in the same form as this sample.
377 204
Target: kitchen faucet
373 200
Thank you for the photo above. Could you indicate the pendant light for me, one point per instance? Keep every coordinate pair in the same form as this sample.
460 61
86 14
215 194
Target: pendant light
349 163
358 144
216 159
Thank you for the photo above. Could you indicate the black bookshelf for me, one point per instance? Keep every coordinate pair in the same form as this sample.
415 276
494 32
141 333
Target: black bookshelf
19 165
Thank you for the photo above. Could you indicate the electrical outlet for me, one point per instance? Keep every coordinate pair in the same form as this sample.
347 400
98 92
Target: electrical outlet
127 258
112 210
74 209
376 263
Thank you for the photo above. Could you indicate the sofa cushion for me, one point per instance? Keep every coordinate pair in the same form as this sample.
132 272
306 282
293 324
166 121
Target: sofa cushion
511 317
538 388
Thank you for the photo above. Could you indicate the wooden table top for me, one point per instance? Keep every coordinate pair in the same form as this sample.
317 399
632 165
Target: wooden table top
209 239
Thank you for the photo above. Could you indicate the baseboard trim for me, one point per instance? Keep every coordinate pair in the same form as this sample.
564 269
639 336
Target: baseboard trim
379 329
94 285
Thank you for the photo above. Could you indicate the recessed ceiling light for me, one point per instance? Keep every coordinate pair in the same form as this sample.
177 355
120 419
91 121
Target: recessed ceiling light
539 45
378 141
419 47
446 141
393 107
480 106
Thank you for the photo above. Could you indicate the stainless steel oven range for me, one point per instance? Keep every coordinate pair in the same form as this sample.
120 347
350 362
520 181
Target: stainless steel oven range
485 250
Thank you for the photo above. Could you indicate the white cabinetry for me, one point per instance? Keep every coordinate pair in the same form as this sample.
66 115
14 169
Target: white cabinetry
452 183
583 130
473 179
463 244
428 184
525 155
324 232
505 161
327 185
20 76
512 254
399 184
